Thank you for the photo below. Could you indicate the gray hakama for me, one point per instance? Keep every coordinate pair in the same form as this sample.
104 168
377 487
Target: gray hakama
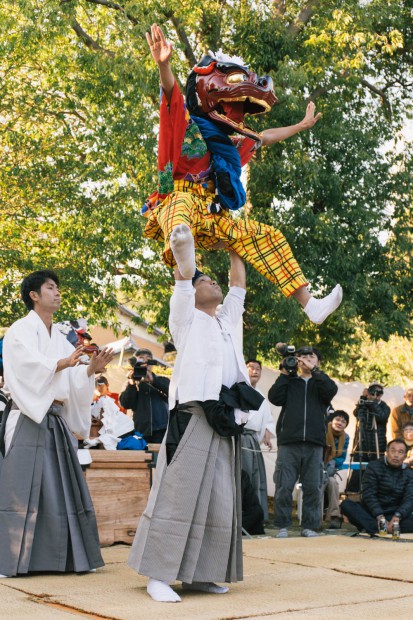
191 527
47 520
253 463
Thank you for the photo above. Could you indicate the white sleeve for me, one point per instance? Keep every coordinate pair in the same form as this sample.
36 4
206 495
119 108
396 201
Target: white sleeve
182 309
77 409
268 418
233 307
27 372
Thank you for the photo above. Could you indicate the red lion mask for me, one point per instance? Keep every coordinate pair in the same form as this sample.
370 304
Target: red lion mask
226 91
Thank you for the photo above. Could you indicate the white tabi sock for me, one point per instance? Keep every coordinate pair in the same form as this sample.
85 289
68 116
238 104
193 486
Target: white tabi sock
183 248
205 586
161 592
318 310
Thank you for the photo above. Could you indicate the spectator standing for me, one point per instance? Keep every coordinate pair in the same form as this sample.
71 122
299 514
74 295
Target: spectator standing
370 439
337 442
387 492
260 428
147 397
402 414
301 430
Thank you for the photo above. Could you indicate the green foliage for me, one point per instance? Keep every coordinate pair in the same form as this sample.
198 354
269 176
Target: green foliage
78 121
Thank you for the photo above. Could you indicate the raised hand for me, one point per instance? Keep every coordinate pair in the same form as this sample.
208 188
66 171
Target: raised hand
98 361
161 49
71 360
310 117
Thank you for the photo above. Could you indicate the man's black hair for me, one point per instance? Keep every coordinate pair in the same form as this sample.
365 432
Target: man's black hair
253 361
318 353
375 388
33 282
339 413
397 441
308 349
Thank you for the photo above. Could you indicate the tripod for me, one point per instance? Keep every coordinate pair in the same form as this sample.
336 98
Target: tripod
360 432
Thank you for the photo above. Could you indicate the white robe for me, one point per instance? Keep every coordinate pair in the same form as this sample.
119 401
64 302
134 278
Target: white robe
30 359
261 420
209 352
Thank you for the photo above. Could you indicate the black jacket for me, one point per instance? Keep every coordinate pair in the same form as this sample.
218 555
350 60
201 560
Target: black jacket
387 490
304 406
365 415
149 404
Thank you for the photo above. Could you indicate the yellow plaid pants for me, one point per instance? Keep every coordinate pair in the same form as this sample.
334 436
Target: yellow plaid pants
264 247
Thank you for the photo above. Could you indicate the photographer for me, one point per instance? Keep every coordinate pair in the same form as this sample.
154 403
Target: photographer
147 395
304 392
372 414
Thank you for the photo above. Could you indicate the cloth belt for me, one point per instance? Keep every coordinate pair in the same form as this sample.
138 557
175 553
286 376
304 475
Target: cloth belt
55 408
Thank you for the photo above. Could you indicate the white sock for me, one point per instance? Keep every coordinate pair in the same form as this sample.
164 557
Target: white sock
161 592
183 248
4 576
318 310
205 586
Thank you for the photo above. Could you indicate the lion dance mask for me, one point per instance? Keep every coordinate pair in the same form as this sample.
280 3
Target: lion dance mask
203 144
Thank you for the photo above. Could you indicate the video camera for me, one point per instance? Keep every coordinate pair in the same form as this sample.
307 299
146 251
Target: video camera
364 407
368 404
289 362
139 369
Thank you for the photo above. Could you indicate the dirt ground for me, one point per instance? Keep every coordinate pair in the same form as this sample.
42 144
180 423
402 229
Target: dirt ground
335 575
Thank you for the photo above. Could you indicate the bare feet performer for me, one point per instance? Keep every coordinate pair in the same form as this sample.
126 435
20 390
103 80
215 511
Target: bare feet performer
203 144
190 530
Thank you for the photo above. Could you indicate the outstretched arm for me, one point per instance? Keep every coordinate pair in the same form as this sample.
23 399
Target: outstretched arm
161 51
237 271
277 134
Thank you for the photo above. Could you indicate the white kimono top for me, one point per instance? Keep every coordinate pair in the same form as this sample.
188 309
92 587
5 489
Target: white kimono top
30 360
209 352
261 420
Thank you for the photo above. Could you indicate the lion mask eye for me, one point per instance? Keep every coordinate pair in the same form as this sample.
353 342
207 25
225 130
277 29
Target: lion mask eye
236 78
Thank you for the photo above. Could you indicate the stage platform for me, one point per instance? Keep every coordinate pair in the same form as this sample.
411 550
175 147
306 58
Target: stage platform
333 576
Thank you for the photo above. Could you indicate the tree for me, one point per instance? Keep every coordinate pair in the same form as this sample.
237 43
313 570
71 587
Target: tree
78 125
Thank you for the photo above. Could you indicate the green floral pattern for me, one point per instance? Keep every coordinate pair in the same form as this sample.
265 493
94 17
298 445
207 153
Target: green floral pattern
193 145
166 181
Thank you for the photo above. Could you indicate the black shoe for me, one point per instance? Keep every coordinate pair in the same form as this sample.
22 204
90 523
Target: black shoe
335 523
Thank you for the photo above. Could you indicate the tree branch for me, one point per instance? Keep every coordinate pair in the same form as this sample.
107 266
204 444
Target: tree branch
182 36
116 7
323 90
303 18
380 93
87 39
